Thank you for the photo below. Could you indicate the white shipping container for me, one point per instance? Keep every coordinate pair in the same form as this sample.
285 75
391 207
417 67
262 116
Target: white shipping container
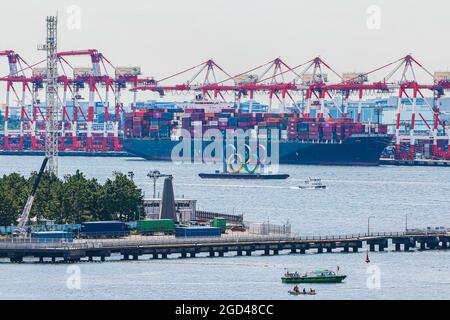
309 78
355 77
39 72
82 72
442 76
128 71
246 78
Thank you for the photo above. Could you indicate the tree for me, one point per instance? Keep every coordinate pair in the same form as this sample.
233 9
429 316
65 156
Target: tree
75 199
47 201
79 199
14 191
121 199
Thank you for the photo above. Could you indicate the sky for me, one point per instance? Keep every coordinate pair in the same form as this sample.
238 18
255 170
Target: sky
166 36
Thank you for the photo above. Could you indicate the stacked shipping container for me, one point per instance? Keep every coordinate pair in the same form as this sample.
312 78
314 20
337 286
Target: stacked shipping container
151 123
160 123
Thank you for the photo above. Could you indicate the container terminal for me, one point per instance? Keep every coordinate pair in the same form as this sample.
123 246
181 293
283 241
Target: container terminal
94 116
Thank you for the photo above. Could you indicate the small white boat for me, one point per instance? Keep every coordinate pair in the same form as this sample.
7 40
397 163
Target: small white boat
302 293
313 183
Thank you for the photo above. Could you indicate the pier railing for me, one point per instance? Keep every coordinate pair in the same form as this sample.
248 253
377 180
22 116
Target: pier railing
142 241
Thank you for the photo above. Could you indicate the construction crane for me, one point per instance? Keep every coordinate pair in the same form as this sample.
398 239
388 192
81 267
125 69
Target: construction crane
21 229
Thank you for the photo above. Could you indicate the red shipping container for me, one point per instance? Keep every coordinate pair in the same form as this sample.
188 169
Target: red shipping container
303 136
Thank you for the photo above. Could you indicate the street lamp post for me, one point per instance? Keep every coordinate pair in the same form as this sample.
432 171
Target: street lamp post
155 175
368 224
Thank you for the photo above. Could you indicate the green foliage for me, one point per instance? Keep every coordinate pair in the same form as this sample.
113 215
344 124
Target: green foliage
74 199
46 204
79 199
13 196
119 198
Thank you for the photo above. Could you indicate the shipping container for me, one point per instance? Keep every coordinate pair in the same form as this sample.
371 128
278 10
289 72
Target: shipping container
104 229
190 232
156 226
161 124
128 71
82 72
52 236
220 223
39 72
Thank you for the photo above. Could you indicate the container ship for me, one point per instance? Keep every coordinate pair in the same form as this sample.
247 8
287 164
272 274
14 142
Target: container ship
153 133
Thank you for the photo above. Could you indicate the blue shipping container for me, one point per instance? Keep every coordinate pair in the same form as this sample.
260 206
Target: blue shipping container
104 229
53 236
187 232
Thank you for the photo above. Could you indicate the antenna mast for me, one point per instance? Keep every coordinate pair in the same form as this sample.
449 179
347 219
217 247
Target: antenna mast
52 117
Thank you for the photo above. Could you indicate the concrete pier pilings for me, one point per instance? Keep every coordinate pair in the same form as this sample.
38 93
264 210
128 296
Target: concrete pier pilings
382 244
100 250
428 243
406 242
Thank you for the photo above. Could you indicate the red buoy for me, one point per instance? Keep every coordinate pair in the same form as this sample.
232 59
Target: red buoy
367 257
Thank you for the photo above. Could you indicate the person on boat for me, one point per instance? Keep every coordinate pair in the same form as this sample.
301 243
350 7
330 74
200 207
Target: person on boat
311 291
304 291
296 289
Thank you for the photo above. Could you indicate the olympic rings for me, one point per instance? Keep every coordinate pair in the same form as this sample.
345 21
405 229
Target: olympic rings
252 171
232 159
260 161
245 161
248 151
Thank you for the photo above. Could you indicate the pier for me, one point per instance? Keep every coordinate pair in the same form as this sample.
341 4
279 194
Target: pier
133 248
417 162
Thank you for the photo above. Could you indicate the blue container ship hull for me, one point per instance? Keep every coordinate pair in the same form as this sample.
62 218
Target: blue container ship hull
359 150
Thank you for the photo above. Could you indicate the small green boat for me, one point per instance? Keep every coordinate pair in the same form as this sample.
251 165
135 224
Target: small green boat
318 276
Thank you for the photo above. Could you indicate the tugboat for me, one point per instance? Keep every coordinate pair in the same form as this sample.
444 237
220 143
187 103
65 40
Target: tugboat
318 276
312 184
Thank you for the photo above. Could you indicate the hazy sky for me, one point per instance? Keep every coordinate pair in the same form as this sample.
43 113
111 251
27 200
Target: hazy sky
166 36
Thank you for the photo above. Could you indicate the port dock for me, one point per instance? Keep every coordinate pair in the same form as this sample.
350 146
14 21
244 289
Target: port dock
133 248
97 154
416 162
